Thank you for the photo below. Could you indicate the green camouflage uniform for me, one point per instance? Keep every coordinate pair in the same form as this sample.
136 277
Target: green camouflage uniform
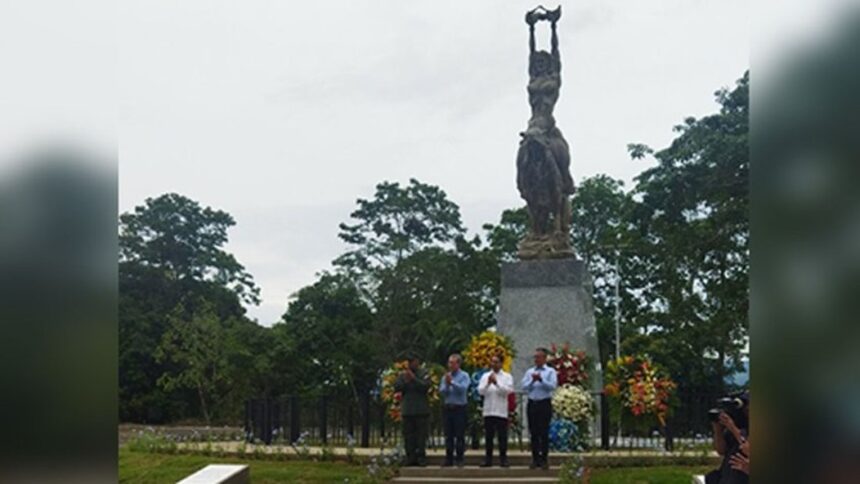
415 413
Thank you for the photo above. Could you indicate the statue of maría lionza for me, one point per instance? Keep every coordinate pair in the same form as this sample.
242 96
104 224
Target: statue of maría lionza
543 158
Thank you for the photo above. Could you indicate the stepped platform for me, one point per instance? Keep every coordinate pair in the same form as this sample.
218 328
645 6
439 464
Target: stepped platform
473 473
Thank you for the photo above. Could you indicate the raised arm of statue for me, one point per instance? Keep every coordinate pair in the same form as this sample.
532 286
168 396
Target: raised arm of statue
554 41
532 17
532 38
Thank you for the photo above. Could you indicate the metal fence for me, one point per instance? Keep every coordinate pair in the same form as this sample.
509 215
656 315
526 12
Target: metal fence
342 419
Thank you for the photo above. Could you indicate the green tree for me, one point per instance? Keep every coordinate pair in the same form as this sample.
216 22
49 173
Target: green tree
196 346
427 285
504 238
184 241
397 222
434 300
601 234
171 260
329 328
145 298
252 356
693 245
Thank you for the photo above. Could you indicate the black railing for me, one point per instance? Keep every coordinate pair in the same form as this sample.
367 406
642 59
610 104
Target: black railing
341 420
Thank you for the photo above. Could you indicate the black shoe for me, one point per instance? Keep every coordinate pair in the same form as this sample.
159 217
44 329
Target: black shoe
487 464
460 463
533 465
545 466
504 463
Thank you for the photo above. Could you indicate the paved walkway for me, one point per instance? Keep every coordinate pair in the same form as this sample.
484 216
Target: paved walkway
235 447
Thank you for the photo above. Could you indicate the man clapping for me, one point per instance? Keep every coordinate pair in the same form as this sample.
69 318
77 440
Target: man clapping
495 386
453 387
540 382
413 383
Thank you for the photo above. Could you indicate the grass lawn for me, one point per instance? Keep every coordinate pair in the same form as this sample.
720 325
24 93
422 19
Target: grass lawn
151 468
646 475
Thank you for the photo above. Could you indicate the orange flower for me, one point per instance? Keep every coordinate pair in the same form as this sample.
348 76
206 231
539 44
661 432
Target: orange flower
640 386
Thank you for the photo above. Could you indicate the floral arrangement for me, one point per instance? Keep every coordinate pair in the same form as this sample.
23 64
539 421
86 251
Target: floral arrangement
473 385
484 346
571 366
564 436
640 386
573 403
392 398
514 423
475 403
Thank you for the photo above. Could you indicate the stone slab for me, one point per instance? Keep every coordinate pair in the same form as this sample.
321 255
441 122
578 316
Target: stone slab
220 474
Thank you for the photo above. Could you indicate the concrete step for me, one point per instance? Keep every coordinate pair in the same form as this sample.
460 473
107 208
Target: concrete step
485 480
474 472
476 458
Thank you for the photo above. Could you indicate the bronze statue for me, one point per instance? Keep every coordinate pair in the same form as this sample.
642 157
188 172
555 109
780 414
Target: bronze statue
543 158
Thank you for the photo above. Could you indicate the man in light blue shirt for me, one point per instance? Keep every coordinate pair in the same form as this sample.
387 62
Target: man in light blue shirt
454 388
539 383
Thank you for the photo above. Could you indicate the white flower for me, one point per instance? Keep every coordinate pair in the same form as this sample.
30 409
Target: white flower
573 403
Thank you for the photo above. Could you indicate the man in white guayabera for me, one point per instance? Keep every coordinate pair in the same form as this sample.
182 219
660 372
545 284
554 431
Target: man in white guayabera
495 386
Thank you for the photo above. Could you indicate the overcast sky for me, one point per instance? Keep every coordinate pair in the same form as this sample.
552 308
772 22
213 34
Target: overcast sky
283 113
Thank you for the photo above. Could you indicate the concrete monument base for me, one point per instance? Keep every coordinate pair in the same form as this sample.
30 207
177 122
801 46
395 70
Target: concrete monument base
549 301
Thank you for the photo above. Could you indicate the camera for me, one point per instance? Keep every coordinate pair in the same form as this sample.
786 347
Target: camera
733 404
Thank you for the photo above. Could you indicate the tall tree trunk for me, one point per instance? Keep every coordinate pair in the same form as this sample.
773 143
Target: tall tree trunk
203 404
721 369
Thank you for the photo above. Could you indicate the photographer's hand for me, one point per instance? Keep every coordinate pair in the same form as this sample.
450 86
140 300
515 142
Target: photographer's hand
729 424
740 463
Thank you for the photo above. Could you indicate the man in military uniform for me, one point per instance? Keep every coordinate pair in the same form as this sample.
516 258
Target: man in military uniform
413 383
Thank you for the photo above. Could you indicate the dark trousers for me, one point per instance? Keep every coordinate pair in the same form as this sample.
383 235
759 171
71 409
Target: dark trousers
494 426
415 439
454 422
540 414
726 475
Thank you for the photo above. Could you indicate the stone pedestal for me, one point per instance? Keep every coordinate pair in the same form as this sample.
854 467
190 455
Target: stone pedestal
549 301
